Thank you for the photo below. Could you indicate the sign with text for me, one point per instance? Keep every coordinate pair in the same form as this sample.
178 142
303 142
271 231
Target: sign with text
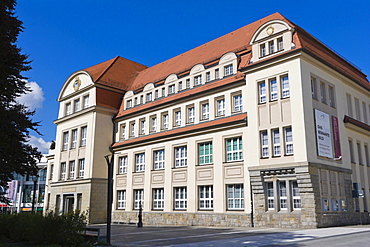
323 134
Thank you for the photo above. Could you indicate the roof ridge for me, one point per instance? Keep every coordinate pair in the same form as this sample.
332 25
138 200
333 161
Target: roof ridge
108 67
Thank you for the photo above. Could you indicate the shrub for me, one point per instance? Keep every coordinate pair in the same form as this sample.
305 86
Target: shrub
64 229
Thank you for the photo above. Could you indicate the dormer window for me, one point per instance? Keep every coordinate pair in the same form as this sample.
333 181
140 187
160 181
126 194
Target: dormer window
263 50
271 47
228 70
68 108
149 97
129 103
198 80
141 99
280 44
171 89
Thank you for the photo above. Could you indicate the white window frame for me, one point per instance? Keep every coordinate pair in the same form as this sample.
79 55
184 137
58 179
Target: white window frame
81 167
72 169
280 43
221 107
83 136
273 89
181 156
123 131
331 96
217 74
122 165
132 129
171 89
178 118
149 97
236 149
205 111
140 162
206 197
191 114
285 87
275 135
235 196
165 119
68 108
86 101
323 92
138 198
264 144
271 47
142 127
154 124
238 103
228 69
77 105
159 159
296 196
262 92
129 104
63 170
74 139
263 52
198 80
65 140
158 199
180 198
180 86
283 194
270 195
288 135
121 199
208 76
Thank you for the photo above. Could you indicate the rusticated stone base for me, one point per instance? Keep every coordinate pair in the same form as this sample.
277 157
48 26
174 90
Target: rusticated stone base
184 219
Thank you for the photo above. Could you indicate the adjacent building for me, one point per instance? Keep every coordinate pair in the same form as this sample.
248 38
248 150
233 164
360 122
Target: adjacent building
264 126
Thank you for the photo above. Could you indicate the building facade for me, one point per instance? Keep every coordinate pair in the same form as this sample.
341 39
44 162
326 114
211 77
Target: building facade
264 126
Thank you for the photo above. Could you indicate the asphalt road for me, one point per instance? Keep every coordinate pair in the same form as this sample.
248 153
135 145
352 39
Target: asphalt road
130 235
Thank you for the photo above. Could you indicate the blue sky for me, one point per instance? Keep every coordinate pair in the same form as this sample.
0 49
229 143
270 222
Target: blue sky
63 36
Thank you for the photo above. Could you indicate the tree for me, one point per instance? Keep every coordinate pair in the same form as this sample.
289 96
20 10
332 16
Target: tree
16 155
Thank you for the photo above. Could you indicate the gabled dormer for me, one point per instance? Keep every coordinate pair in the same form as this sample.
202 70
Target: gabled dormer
271 38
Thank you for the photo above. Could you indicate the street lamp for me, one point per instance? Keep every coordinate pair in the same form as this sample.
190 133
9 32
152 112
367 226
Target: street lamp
34 178
110 193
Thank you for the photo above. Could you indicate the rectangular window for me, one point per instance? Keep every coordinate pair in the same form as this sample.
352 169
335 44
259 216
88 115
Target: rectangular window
221 107
68 108
238 103
280 44
206 197
357 109
180 86
285 88
158 159
156 94
153 124
262 92
198 80
187 83
181 155
264 144
296 196
81 167
180 198
132 129
288 140
141 99
74 139
283 195
228 70
364 110
359 153
313 88
205 153
51 171
72 167
273 90
122 165
86 101
367 158
331 96
129 103
235 196
217 74
349 105
140 162
270 196
178 118
77 105
171 89
351 153
65 140
323 92
263 50
325 204
63 169
276 142
158 198
123 131
208 76
121 199
139 199
205 111
234 149
165 121
163 92
149 97
191 115
271 47
83 136
142 127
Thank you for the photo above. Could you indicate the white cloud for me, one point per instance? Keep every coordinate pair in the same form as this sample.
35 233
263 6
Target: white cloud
40 143
34 98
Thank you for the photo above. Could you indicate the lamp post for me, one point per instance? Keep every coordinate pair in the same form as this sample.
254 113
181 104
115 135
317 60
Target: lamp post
35 178
110 193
